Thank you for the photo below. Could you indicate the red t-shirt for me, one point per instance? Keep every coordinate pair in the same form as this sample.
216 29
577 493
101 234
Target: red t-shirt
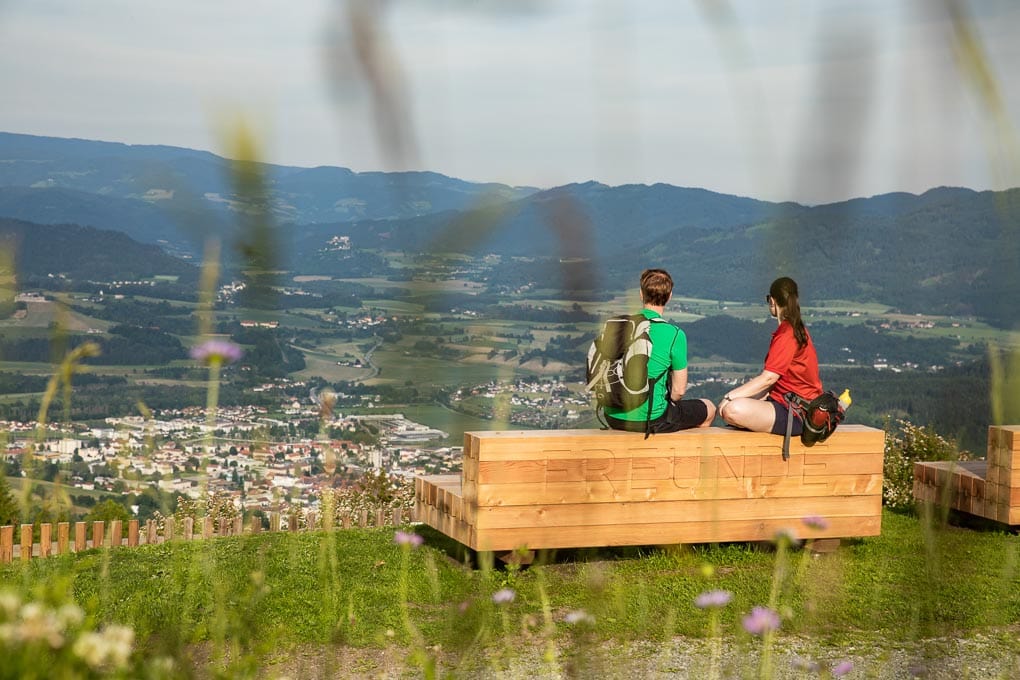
797 367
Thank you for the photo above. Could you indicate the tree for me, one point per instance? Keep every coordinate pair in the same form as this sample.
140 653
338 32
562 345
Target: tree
108 510
8 504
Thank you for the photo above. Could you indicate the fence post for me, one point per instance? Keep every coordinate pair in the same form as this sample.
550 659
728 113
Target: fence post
63 538
6 544
238 525
311 521
45 539
292 522
116 529
26 541
133 533
345 521
98 532
207 527
397 512
168 530
189 528
80 543
256 524
364 518
380 517
274 521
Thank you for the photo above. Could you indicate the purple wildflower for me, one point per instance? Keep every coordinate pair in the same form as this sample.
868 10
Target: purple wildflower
802 664
503 596
842 668
408 538
761 620
816 522
579 616
786 537
218 351
713 599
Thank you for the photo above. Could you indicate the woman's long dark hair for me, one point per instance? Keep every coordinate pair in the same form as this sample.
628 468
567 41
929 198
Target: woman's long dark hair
784 291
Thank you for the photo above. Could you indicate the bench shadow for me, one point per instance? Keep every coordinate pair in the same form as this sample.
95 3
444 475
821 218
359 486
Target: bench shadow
500 560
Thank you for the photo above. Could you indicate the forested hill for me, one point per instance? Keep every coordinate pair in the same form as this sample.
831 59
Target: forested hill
950 251
588 220
181 186
43 251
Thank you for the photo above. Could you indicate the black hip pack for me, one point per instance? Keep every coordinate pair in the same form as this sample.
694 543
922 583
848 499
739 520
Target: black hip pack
820 417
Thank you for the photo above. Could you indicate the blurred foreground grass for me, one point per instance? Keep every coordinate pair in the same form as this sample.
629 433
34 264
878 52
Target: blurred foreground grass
255 598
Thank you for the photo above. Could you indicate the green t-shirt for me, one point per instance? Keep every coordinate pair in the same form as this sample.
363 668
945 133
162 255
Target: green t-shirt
662 335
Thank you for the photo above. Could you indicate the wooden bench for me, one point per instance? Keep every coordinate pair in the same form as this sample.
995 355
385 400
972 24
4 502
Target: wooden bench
586 488
987 488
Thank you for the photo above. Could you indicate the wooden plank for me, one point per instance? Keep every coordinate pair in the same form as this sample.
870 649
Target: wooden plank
560 444
26 541
600 492
116 531
6 544
80 543
63 538
675 512
45 539
678 467
662 534
98 534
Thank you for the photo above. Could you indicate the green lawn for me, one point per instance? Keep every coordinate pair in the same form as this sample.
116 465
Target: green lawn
260 596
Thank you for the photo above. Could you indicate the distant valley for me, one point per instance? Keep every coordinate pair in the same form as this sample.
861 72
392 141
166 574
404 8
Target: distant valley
421 292
949 251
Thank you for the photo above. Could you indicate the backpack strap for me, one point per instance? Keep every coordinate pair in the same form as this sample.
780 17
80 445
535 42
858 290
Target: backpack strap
789 431
793 401
652 382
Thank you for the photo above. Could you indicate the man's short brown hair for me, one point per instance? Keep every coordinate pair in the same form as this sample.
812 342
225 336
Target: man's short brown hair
656 287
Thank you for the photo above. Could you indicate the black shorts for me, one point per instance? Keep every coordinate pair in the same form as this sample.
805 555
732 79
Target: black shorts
679 415
779 425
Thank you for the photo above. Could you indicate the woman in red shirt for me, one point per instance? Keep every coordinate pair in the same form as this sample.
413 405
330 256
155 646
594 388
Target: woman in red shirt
790 366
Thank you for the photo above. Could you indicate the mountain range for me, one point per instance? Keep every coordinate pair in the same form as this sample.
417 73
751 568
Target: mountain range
948 250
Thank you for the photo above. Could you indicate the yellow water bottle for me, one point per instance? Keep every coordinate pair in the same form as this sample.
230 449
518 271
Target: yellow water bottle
845 400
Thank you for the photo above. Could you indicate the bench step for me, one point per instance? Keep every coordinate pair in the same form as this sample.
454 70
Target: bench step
987 488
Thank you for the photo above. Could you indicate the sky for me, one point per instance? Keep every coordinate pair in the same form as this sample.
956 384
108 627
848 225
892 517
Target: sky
811 101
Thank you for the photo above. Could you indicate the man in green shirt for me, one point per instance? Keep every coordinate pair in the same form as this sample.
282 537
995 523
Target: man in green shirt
670 412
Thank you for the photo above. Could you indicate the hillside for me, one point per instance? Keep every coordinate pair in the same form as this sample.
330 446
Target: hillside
948 251
70 251
182 185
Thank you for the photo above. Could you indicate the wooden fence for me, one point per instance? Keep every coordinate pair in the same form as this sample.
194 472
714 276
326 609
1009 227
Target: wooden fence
76 537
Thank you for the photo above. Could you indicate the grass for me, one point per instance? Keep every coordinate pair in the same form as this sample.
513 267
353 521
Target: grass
272 592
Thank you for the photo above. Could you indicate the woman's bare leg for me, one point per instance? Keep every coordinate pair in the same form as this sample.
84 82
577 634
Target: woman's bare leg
756 415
